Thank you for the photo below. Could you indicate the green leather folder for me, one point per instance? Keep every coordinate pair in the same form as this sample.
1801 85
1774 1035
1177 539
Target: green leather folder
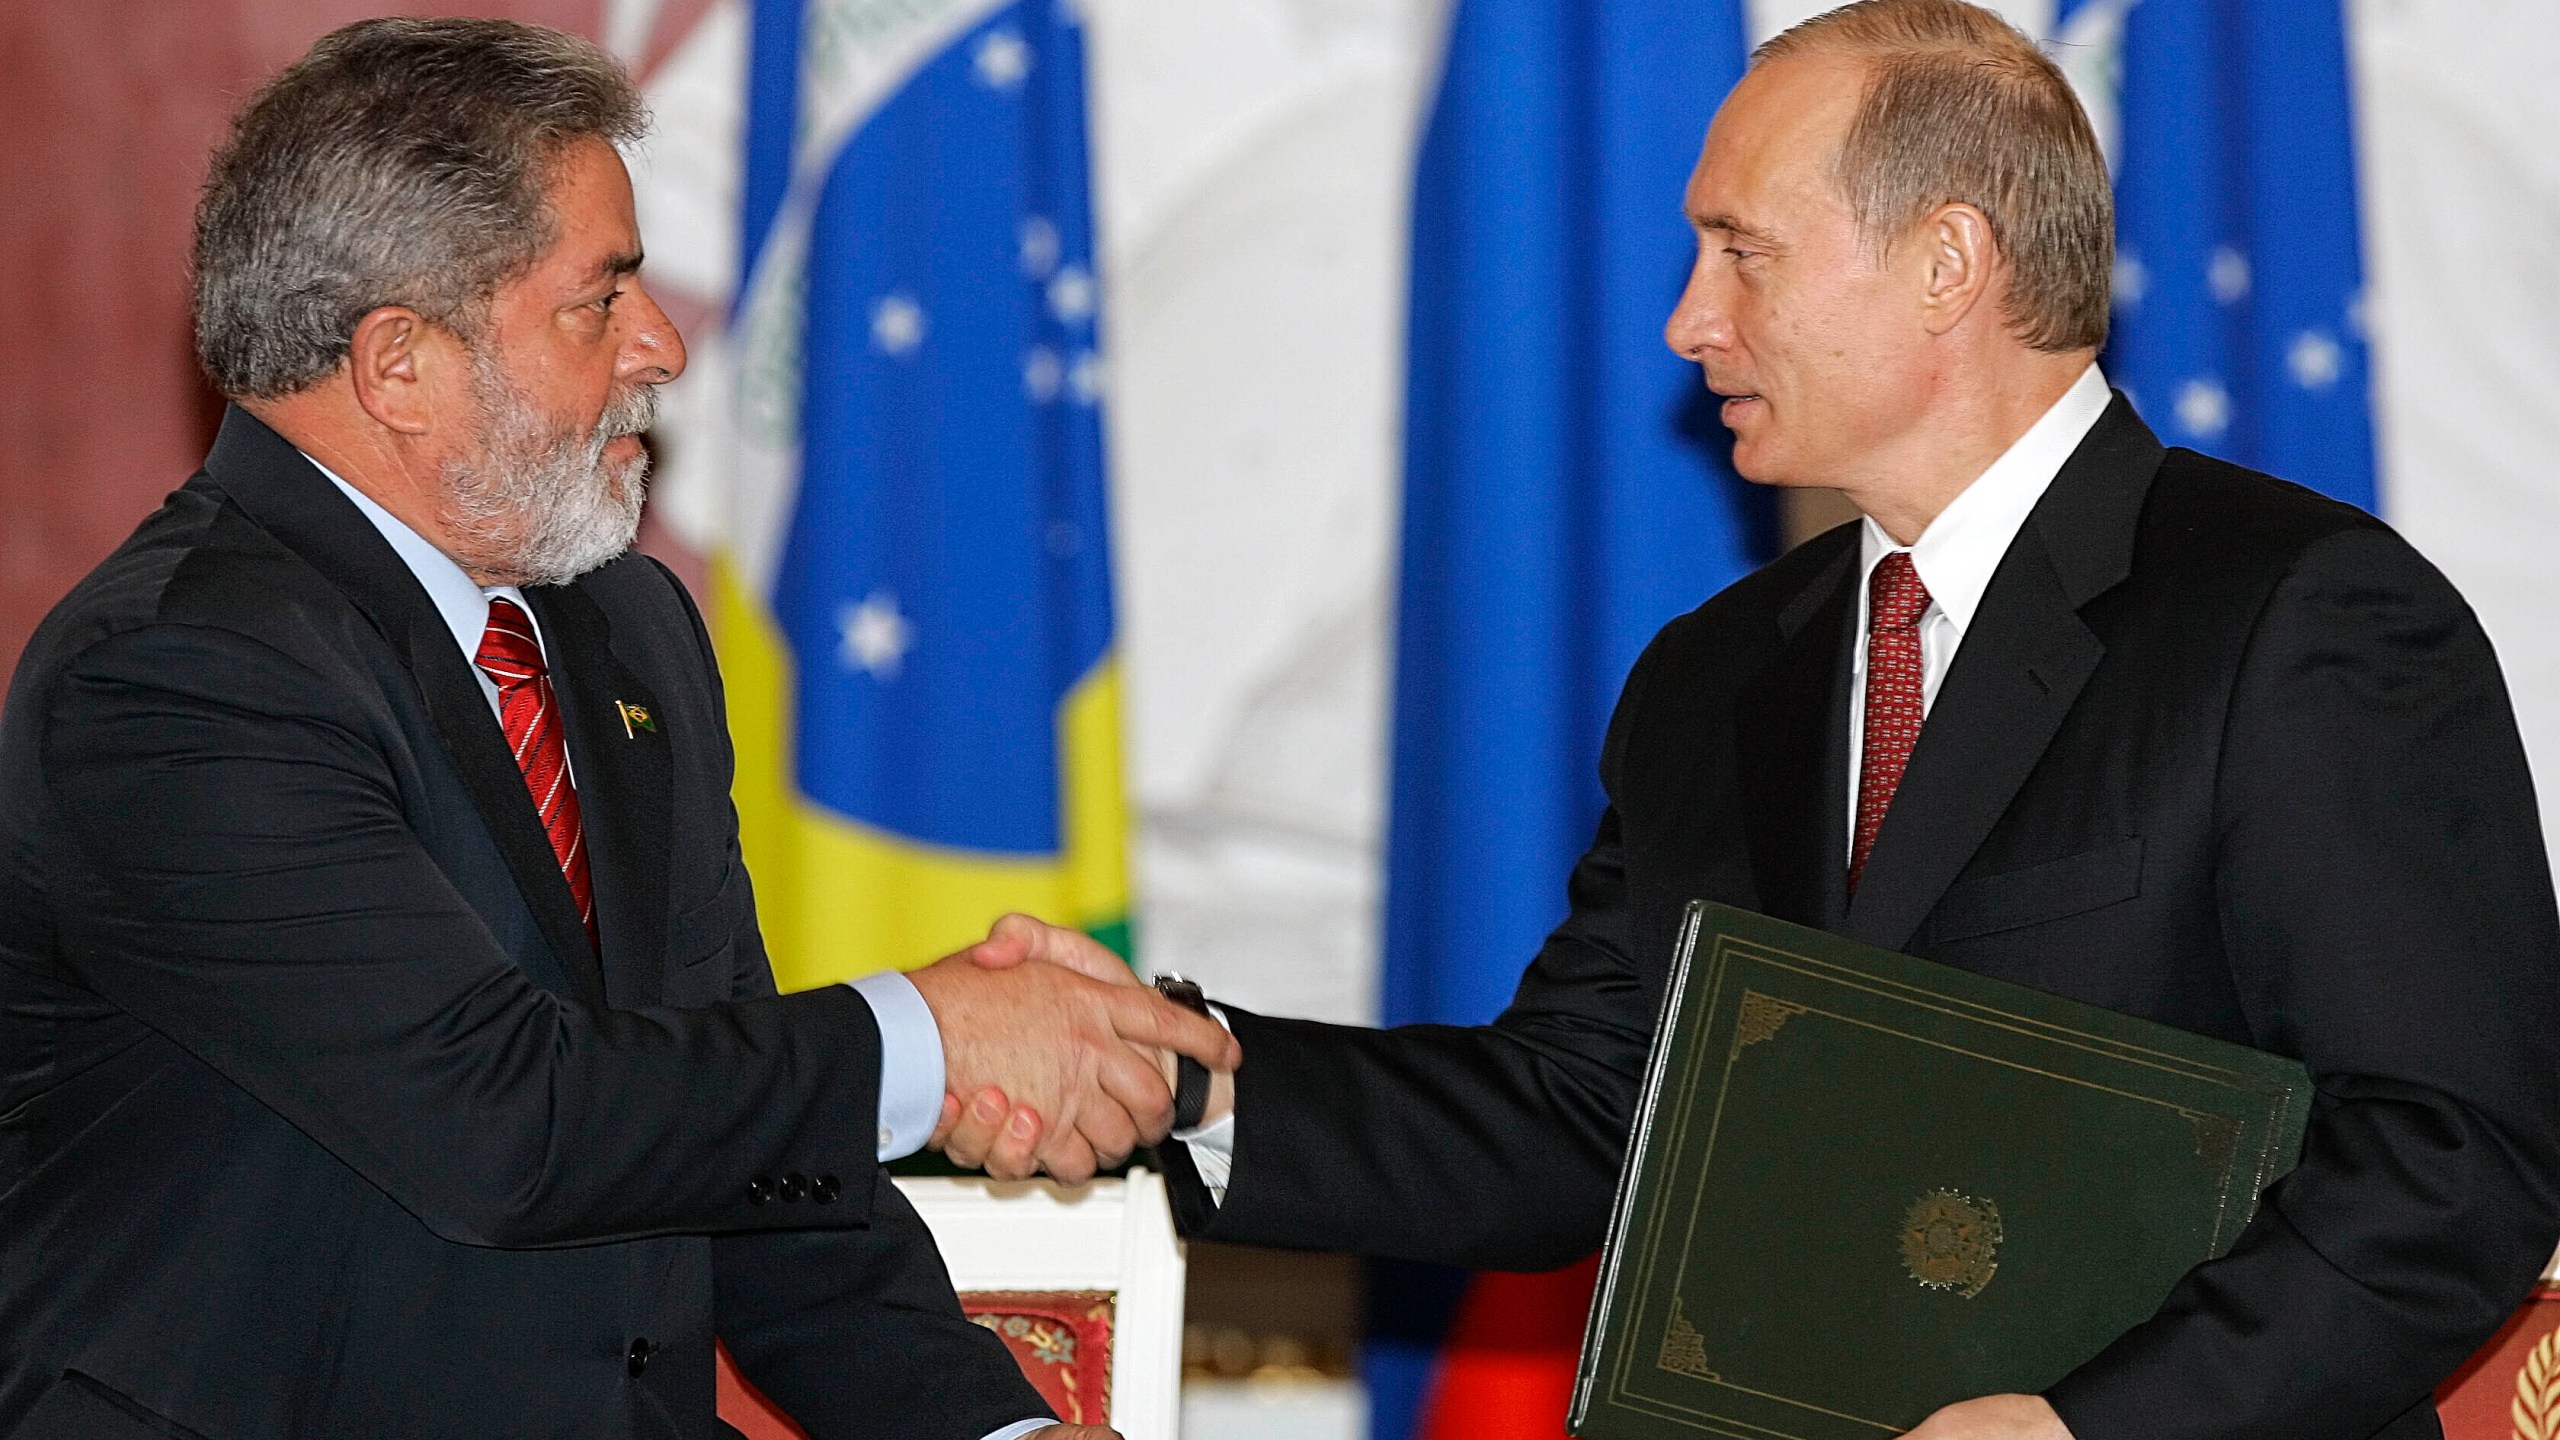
1863 1186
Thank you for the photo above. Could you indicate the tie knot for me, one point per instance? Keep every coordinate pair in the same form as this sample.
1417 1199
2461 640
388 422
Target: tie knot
508 651
1896 598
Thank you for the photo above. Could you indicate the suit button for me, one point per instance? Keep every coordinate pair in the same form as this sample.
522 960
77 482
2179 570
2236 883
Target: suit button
826 1188
794 1186
759 1190
639 1361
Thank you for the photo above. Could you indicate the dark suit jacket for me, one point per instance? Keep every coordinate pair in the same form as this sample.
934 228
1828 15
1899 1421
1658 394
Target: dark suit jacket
318 1114
2216 751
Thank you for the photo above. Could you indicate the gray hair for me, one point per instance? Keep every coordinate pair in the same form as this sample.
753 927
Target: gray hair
400 162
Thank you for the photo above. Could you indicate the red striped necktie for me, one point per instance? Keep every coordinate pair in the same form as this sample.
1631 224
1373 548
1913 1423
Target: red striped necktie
512 658
1896 601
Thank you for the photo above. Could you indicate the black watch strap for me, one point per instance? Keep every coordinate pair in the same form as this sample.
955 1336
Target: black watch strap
1190 1077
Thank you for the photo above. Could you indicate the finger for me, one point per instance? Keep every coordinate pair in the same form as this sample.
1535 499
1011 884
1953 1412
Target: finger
1015 1155
1007 944
1107 1129
1148 1019
1131 1081
942 1125
981 1124
1067 1158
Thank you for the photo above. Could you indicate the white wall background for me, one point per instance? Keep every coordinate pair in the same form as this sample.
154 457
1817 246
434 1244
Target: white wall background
1253 158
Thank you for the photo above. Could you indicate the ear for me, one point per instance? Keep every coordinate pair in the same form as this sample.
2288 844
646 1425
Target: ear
1959 259
395 362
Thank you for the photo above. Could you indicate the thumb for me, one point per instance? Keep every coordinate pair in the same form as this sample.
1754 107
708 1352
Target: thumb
1073 950
1010 941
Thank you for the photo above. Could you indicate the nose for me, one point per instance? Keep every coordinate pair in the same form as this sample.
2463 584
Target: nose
1700 320
652 349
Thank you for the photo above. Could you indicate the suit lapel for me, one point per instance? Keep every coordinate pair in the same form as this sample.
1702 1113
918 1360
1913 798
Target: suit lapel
2016 675
1792 727
291 500
2021 667
625 789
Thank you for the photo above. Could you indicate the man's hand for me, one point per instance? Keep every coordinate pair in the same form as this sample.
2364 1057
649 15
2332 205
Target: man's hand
1994 1417
1072 1060
1000 1135
1074 1432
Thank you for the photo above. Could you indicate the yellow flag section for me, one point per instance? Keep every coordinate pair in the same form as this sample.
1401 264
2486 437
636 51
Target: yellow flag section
837 898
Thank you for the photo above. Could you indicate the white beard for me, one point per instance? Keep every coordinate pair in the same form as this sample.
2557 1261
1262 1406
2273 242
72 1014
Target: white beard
539 507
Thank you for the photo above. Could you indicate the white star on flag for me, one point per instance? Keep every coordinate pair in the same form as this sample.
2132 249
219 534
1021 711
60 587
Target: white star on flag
1084 378
1071 295
1042 374
2315 360
2228 275
1003 60
876 637
897 323
1039 247
2204 408
2129 280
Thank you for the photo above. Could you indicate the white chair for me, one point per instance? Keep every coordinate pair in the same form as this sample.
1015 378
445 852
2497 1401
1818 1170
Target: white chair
1034 1238
1114 1236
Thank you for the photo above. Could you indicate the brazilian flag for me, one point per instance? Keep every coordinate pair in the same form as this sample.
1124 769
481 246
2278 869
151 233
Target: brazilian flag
914 614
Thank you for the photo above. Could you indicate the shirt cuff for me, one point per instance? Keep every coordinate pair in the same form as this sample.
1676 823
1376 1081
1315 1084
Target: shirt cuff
1213 1153
1213 1146
911 1074
1020 1428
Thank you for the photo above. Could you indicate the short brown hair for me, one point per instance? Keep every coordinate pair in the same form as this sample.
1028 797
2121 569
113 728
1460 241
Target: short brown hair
1962 108
400 162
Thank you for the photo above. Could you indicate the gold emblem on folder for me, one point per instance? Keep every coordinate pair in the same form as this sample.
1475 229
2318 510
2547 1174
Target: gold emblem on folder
1951 1242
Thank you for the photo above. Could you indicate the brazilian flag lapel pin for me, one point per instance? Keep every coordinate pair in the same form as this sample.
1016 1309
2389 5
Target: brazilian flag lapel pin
635 718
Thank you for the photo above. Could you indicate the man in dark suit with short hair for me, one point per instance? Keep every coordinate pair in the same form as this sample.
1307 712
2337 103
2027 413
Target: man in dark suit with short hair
386 1042
2122 723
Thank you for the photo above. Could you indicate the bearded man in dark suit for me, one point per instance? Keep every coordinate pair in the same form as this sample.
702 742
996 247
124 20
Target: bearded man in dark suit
2065 707
386 1043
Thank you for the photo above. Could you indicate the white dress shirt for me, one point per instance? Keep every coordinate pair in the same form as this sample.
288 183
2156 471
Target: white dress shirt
1954 556
911 1070
1957 553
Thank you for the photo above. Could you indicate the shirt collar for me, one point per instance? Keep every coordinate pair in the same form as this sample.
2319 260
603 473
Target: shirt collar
1957 553
463 603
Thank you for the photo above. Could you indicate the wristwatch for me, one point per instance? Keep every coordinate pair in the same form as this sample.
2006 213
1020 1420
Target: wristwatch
1190 1077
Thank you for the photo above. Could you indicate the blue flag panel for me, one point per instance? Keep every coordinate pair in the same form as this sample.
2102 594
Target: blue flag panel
1565 494
944 578
2239 275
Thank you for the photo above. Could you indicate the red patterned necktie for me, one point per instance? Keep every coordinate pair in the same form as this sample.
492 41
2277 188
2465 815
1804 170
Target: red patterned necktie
1895 602
511 657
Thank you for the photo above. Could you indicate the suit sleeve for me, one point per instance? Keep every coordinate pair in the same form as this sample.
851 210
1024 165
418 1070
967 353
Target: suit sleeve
857 1333
279 918
2387 907
853 1333
1485 1146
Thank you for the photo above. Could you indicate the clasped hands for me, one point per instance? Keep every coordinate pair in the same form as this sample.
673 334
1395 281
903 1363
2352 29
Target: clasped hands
1054 1056
1065 1065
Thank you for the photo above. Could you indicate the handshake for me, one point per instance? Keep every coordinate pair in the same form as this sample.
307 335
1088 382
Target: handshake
1055 1056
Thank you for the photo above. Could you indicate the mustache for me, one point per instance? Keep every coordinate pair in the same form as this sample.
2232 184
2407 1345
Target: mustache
629 411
